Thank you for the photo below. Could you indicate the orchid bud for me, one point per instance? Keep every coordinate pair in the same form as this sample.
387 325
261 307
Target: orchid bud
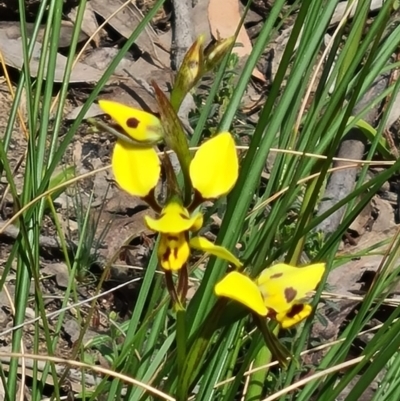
214 53
189 73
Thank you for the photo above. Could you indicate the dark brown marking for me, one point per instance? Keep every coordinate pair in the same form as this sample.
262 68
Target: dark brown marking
166 255
296 309
290 294
172 238
132 122
277 275
176 253
183 216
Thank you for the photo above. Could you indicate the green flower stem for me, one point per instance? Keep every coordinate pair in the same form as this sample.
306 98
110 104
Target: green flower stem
198 350
181 341
256 385
174 137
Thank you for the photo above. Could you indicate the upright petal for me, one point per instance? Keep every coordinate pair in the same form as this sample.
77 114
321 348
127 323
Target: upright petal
203 244
215 166
138 124
241 289
136 170
283 285
174 219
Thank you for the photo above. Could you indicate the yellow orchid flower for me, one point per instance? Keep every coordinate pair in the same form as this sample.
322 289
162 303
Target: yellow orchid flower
174 226
279 292
213 170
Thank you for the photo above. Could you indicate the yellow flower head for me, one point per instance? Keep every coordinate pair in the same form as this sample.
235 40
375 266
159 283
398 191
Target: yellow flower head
174 225
136 166
279 292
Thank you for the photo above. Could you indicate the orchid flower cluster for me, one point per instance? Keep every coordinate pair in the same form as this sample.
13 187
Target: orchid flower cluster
212 172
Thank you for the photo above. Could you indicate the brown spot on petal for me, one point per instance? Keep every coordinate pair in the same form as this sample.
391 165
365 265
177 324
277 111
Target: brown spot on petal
183 216
172 238
165 256
277 275
132 122
295 310
290 294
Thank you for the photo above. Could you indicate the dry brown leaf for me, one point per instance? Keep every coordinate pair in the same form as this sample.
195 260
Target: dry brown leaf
118 228
200 19
89 23
11 50
134 88
224 18
126 21
12 30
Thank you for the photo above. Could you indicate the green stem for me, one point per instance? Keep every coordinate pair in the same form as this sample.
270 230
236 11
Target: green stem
257 380
181 343
198 350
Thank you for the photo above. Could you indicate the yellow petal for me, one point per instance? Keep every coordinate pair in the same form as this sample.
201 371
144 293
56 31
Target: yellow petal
173 219
203 244
241 289
136 170
173 251
282 285
138 124
214 168
297 313
198 222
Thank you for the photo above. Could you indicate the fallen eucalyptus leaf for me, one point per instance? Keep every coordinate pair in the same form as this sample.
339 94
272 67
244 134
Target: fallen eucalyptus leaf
126 21
12 30
11 50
